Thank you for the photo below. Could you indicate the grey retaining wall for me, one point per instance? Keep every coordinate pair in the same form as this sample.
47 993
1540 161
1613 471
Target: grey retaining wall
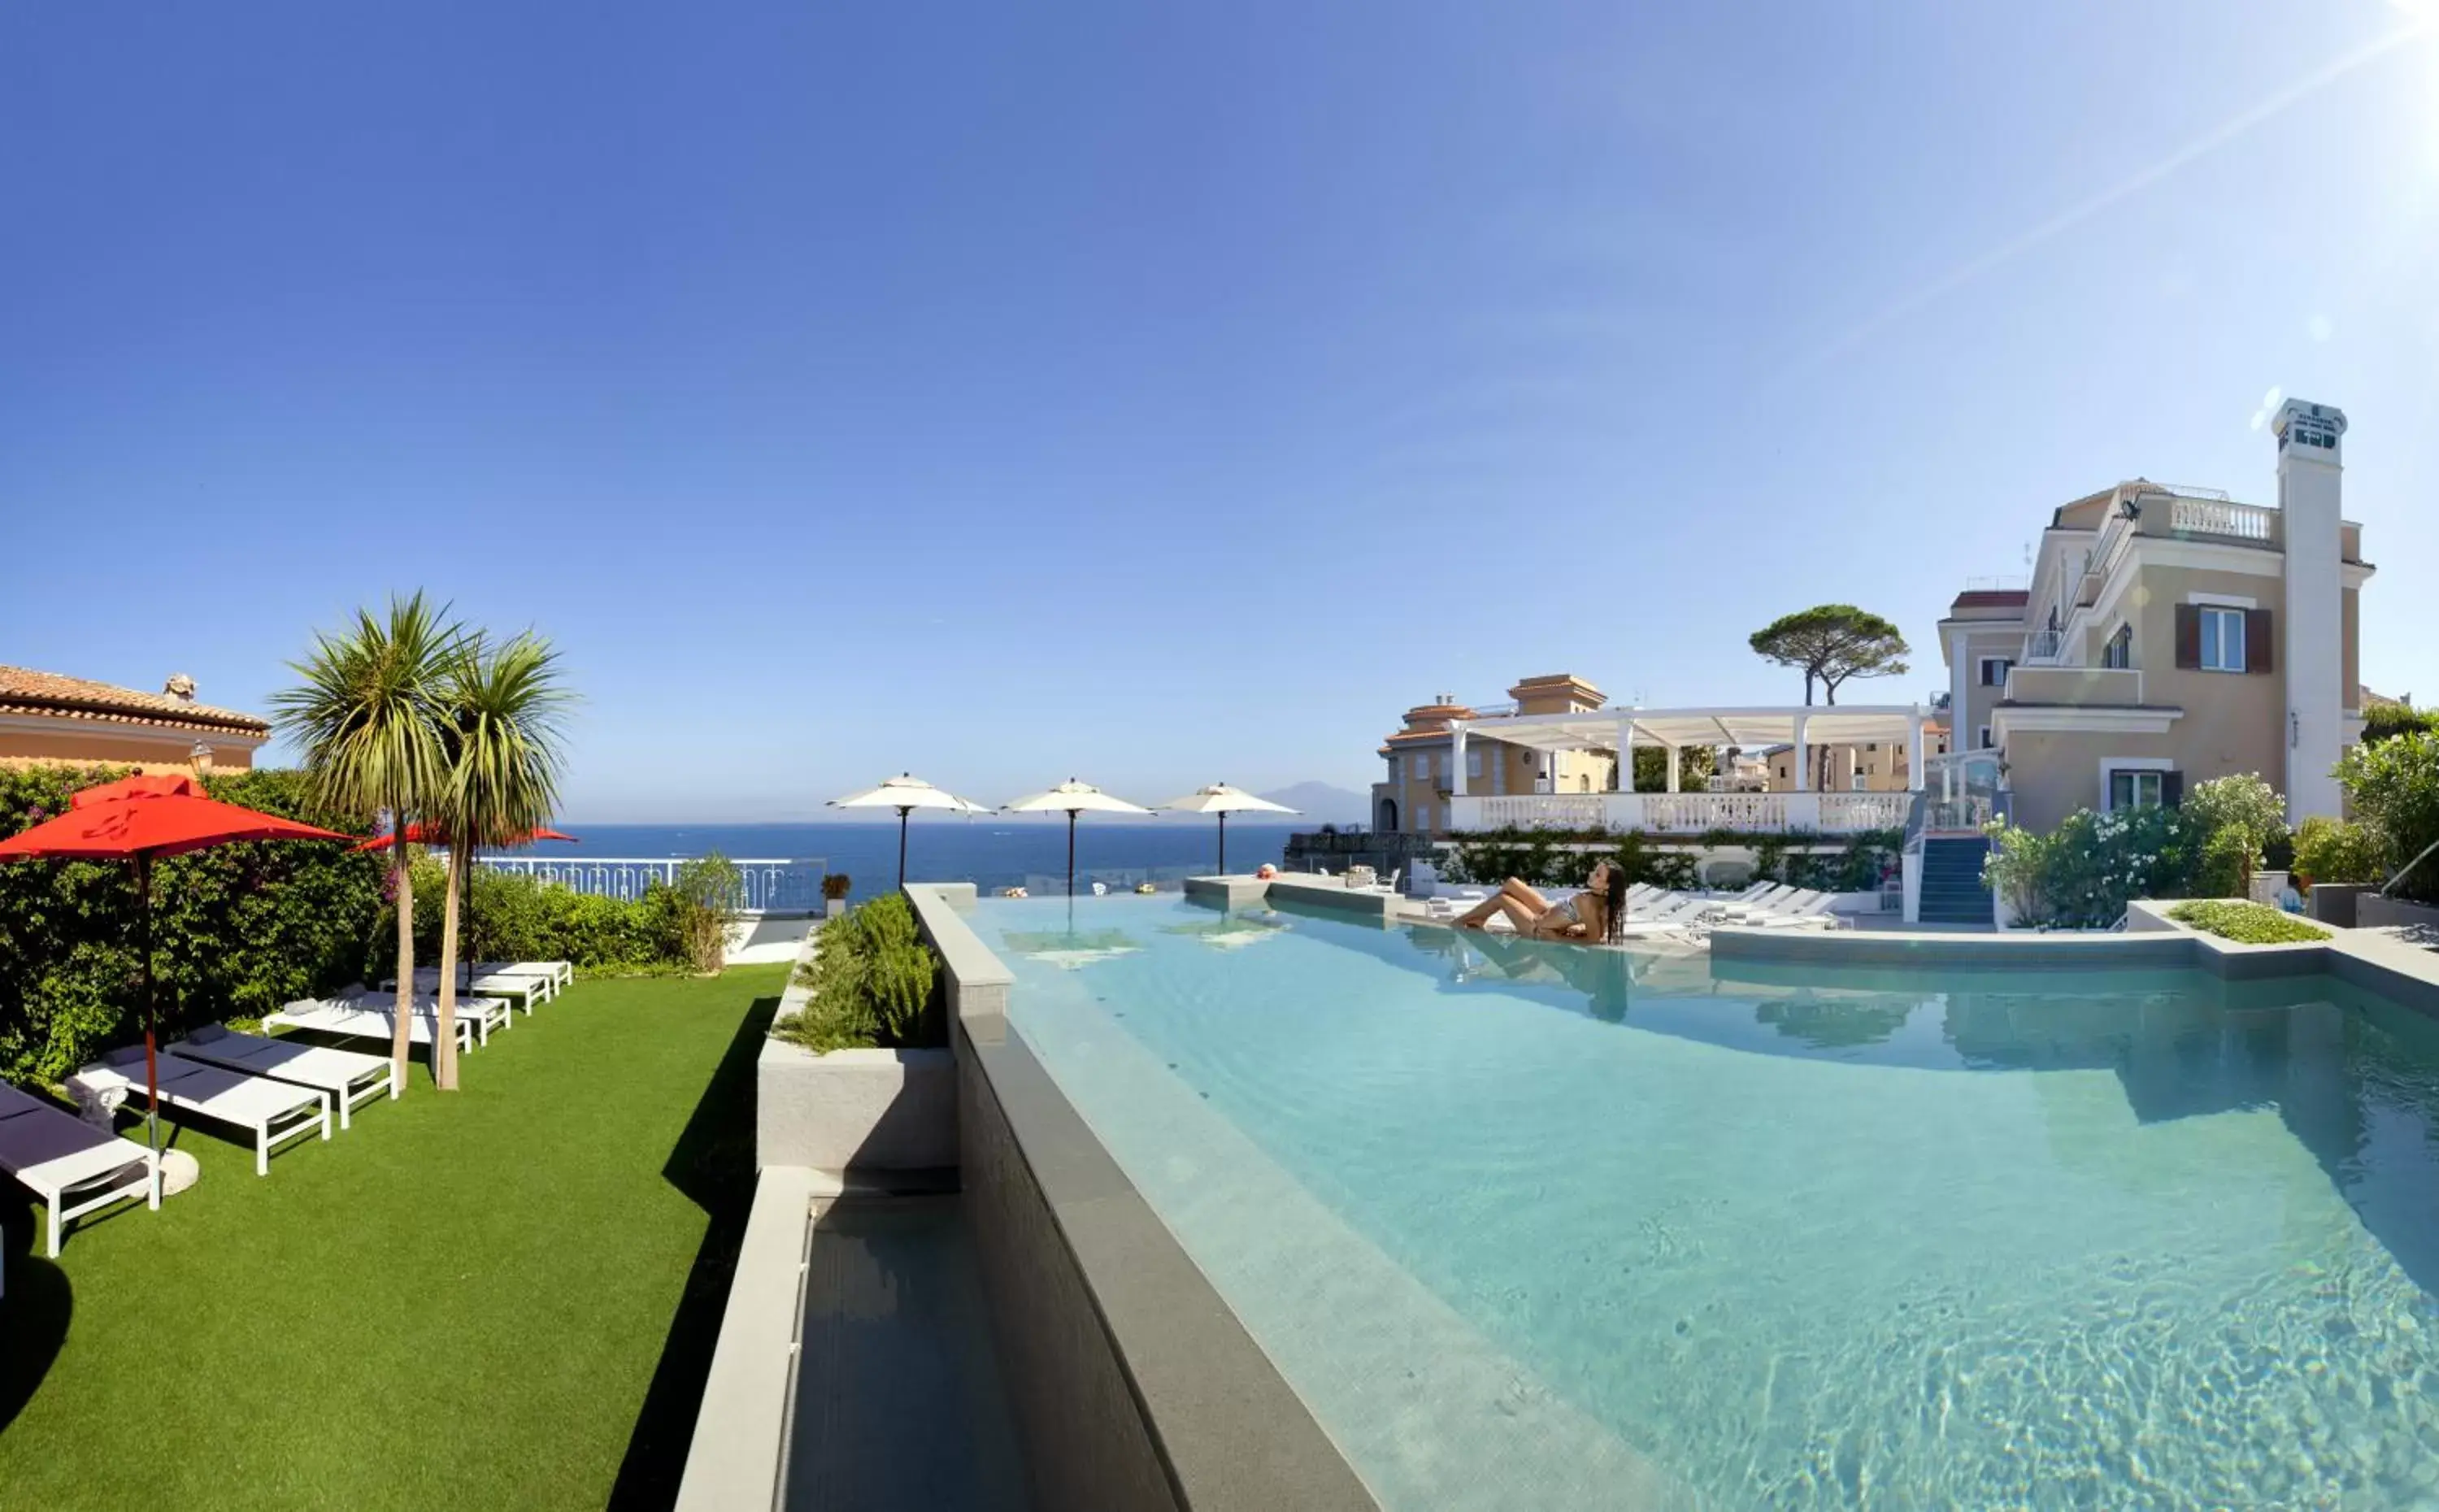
1136 1389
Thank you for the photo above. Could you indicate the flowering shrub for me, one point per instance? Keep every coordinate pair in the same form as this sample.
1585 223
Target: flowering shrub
2082 874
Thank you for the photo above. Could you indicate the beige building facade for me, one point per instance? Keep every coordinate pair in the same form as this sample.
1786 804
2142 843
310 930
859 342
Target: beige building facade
1874 766
1414 797
2170 635
46 719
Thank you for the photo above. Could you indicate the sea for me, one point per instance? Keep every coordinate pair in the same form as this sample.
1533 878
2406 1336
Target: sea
986 850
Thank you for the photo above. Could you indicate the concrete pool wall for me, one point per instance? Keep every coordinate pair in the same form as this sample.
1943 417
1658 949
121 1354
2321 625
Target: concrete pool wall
1135 1385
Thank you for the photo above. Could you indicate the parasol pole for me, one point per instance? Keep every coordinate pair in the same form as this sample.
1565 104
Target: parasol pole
144 944
1070 851
1224 842
903 809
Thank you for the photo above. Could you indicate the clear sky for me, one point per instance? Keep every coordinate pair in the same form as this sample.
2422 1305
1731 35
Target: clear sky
1163 394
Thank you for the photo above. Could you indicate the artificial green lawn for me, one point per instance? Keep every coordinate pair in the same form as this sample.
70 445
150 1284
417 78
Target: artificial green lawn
502 1297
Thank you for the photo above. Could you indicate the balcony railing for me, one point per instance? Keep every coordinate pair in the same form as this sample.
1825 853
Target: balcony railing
1684 814
2085 686
2213 517
2042 647
768 885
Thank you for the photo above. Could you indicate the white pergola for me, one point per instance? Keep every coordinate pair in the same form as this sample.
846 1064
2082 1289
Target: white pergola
1621 731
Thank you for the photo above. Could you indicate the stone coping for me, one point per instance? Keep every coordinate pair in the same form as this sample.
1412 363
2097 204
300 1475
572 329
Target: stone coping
2364 958
741 1429
1229 1432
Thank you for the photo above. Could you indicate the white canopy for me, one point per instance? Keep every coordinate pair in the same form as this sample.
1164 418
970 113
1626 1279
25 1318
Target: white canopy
1221 799
904 792
1071 797
1617 729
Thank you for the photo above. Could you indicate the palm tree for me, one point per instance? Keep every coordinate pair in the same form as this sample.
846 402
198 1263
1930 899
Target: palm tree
500 711
365 717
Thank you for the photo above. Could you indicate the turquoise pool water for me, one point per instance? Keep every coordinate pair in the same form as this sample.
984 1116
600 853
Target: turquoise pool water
1538 1226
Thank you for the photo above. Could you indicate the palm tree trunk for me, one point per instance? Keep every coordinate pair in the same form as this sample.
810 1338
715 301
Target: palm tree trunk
402 1040
444 1038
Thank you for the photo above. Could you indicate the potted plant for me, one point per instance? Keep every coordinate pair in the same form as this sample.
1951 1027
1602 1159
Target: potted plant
834 891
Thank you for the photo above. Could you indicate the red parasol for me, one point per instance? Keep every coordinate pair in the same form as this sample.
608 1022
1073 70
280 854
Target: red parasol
138 819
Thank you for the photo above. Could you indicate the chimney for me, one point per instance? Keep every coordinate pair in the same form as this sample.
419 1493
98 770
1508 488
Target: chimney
2313 663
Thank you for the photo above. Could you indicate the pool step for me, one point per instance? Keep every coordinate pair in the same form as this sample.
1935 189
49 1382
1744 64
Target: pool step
1952 891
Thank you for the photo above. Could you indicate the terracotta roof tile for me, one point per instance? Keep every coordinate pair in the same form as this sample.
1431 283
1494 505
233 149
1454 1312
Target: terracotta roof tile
24 690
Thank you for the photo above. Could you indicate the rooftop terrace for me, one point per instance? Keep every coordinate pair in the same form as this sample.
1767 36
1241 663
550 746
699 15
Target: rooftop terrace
507 1297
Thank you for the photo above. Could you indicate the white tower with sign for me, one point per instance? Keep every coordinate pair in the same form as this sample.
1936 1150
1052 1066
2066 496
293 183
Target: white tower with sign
2311 464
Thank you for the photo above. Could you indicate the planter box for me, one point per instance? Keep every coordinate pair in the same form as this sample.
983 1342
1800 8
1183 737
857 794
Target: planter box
2374 912
855 1109
2336 903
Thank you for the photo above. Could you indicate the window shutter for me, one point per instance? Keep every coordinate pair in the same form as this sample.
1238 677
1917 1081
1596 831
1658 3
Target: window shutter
2189 636
2172 789
2256 640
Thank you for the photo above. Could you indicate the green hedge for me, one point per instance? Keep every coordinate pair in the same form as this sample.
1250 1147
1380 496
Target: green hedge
510 917
2394 789
238 930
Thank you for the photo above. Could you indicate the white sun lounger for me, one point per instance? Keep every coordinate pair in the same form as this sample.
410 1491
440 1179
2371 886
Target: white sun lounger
1813 911
481 1014
276 1111
562 974
518 989
355 1020
350 1076
72 1166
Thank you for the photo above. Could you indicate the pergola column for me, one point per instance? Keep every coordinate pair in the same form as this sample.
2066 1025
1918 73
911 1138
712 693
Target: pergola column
1675 783
1802 758
1456 760
1916 770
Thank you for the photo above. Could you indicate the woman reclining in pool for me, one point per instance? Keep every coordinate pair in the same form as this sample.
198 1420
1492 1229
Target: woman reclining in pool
1584 916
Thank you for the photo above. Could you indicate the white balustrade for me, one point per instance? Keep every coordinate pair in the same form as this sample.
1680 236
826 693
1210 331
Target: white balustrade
765 883
2209 517
1537 811
1846 812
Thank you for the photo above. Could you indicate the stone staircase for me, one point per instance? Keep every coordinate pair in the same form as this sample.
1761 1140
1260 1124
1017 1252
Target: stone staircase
1951 881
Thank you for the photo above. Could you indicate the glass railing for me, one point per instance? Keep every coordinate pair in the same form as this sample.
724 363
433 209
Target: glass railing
1961 793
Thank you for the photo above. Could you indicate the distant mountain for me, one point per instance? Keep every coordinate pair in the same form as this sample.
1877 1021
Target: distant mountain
1318 803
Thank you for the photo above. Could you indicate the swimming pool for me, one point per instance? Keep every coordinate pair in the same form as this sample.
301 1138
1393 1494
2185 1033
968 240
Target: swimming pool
1531 1225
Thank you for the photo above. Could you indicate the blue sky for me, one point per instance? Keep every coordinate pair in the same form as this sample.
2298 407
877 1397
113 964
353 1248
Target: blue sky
1155 394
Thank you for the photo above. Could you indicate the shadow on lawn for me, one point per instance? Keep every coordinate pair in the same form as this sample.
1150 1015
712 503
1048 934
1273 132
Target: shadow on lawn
33 1313
713 1165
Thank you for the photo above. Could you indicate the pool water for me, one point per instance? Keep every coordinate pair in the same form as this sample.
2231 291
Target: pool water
1535 1225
